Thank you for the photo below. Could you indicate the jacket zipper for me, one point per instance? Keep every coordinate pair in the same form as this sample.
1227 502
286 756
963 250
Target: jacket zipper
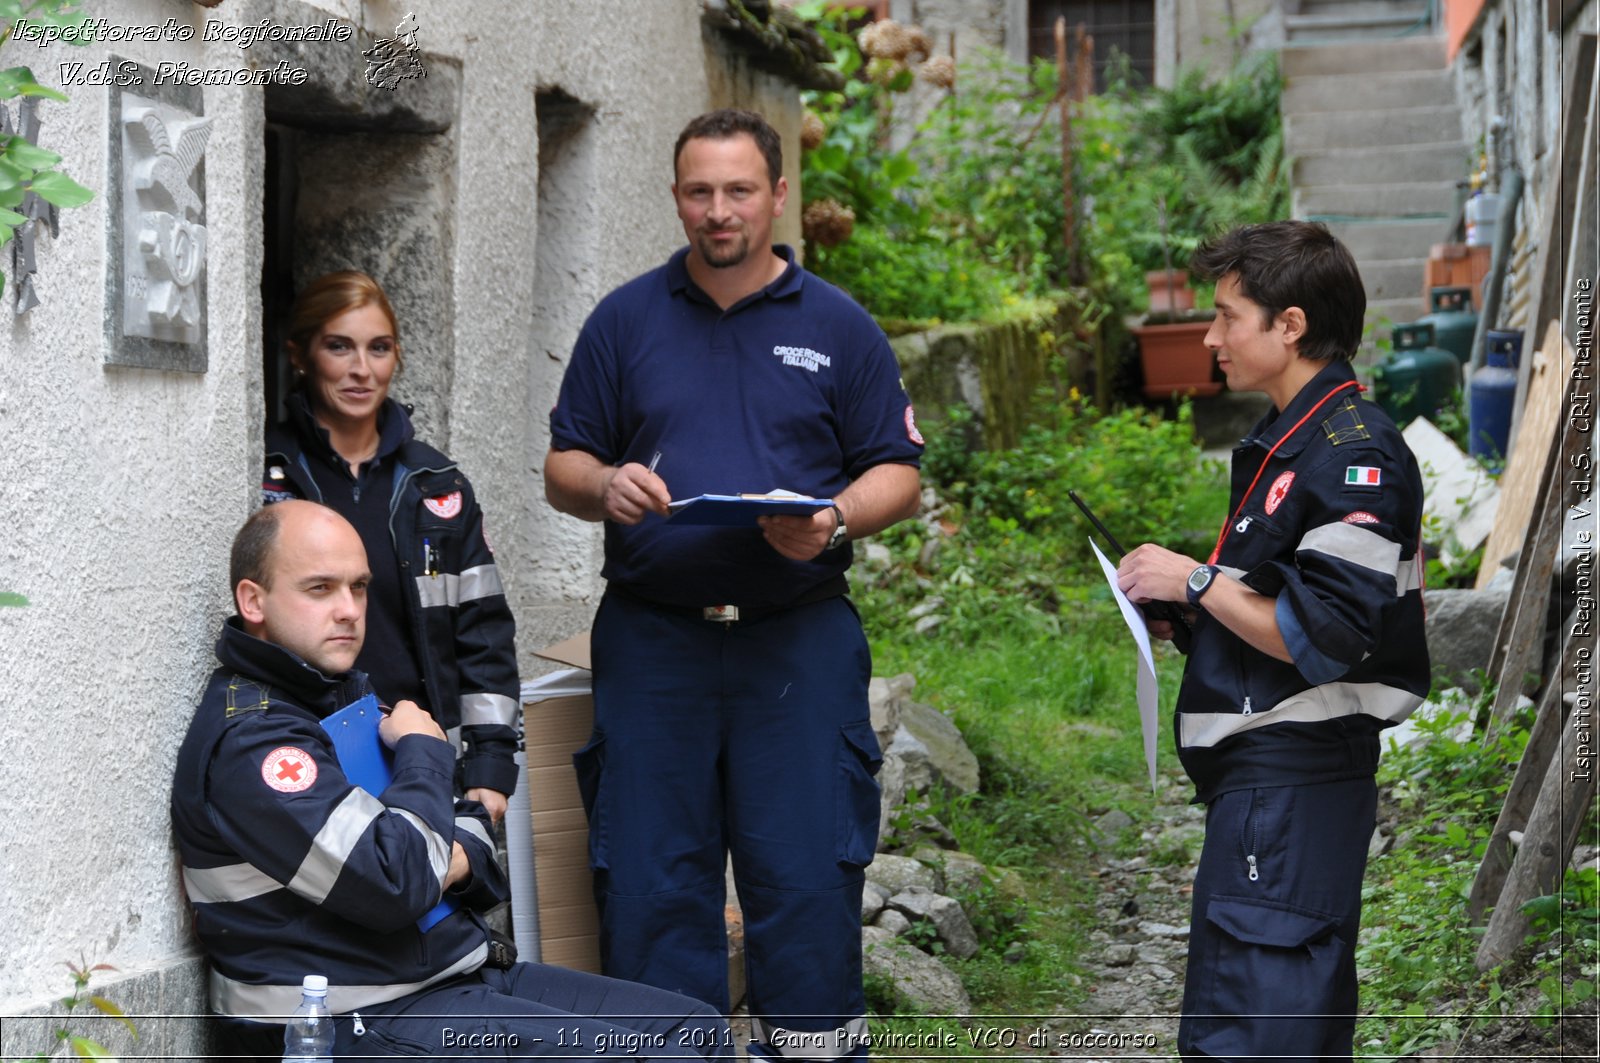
1252 827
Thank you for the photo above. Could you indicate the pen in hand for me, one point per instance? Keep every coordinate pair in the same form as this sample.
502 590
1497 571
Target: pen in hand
651 468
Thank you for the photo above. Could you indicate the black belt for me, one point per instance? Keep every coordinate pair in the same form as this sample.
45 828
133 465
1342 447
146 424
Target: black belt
833 587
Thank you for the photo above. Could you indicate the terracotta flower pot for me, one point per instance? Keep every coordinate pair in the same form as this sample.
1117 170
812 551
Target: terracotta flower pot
1176 360
1165 297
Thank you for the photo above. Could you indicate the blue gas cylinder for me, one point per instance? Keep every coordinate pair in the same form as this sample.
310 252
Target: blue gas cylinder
1492 391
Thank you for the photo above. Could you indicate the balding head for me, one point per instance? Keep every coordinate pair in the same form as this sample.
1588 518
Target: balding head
300 581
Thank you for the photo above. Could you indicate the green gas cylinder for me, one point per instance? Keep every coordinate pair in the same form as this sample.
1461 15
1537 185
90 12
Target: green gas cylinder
1454 321
1416 379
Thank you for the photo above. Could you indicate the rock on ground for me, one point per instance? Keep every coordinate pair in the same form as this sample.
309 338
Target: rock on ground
949 921
927 985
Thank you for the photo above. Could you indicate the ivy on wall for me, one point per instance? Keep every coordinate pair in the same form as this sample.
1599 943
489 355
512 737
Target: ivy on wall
31 186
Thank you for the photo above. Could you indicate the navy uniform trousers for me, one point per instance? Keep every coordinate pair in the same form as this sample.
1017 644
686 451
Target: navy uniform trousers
1272 972
753 739
530 1010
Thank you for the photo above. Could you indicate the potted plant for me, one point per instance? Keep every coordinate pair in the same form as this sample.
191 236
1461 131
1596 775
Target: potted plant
1172 350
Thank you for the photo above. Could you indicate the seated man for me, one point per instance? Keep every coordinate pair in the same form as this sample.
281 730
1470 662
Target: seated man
293 870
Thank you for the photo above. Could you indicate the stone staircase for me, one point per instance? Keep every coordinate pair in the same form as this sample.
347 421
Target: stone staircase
1371 121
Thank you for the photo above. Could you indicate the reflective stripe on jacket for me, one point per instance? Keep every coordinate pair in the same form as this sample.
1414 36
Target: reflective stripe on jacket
1330 531
291 870
461 624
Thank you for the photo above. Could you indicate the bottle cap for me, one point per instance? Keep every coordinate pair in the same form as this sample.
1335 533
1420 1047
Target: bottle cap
315 983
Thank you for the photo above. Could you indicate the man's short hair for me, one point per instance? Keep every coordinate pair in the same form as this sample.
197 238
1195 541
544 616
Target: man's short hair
730 122
251 558
1280 264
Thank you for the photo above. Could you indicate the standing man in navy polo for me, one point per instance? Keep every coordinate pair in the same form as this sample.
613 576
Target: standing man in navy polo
730 669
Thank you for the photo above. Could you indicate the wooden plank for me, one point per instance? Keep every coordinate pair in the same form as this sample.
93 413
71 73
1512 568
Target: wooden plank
1520 641
1531 451
1561 189
1543 740
1558 816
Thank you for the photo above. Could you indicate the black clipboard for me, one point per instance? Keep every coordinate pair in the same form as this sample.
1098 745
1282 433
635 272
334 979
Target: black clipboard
1182 633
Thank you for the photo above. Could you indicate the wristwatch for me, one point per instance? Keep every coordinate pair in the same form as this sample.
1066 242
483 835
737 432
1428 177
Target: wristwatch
1200 582
840 533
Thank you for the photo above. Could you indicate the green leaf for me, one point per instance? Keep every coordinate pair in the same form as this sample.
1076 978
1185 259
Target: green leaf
10 10
84 1048
31 155
19 81
898 169
110 1008
63 191
11 218
10 597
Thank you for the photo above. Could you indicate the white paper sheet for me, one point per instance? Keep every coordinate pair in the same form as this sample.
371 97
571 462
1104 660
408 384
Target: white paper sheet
1148 695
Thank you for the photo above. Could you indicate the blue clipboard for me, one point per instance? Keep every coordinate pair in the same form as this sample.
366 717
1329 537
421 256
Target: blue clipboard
368 763
734 511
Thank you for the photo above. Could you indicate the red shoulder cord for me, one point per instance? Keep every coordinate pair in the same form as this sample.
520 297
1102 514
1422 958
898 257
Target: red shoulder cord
1222 537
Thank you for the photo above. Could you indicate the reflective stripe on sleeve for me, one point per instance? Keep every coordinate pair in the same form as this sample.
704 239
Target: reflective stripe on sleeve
1408 576
471 826
449 589
1329 701
811 1044
275 1003
435 591
480 581
481 709
1355 545
333 845
220 885
438 847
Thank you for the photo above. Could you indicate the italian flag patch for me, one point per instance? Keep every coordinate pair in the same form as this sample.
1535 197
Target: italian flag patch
1363 476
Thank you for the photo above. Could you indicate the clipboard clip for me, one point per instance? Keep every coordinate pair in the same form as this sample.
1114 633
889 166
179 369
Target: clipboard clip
1172 612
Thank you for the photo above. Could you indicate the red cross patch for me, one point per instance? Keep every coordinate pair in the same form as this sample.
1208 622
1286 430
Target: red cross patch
445 506
1277 492
289 770
911 427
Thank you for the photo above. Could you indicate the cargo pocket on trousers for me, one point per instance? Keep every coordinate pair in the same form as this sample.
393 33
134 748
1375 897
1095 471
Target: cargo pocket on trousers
1272 960
858 794
589 764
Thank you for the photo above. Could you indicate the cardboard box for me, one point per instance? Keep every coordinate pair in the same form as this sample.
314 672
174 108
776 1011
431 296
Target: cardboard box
555 728
569 929
1457 266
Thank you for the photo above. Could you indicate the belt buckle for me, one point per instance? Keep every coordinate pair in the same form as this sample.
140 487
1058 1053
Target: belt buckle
721 614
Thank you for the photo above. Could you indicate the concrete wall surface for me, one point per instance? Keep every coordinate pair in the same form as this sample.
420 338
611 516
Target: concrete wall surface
121 488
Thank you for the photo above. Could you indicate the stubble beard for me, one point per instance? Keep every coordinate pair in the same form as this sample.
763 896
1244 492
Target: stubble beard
724 256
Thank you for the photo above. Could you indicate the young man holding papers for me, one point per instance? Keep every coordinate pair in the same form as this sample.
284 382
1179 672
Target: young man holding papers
1308 640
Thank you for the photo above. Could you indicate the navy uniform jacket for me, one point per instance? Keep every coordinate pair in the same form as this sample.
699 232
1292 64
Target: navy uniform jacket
1331 531
291 870
460 623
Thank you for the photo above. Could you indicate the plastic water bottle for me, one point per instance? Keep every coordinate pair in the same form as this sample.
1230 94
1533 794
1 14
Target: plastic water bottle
309 1036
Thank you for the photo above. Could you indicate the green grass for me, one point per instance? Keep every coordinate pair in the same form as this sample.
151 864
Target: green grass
1036 666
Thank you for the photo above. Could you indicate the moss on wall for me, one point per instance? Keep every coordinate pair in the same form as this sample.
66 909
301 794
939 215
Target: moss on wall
994 369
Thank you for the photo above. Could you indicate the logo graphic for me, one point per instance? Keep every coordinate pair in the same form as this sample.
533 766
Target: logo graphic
445 506
395 59
1361 516
804 357
289 770
1363 476
1277 492
911 427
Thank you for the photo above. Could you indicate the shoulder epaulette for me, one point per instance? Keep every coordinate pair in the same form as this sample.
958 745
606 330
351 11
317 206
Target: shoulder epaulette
245 695
1345 424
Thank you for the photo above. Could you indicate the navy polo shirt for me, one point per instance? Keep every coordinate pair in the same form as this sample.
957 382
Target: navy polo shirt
794 387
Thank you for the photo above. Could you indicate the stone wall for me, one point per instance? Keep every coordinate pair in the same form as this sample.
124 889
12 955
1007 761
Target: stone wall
534 179
994 370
